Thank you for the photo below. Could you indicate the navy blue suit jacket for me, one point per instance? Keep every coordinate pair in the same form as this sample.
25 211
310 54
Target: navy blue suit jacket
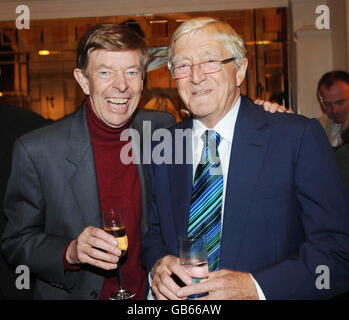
286 208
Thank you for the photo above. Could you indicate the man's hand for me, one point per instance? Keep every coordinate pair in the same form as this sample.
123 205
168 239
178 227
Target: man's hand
223 285
272 107
163 284
96 247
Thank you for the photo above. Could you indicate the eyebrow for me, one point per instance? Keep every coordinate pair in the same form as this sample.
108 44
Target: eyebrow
179 58
110 67
201 55
133 66
336 101
210 53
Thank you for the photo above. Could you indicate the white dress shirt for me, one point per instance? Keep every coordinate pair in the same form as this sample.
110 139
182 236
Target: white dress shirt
336 134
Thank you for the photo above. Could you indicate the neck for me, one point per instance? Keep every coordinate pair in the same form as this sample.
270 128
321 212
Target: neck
210 121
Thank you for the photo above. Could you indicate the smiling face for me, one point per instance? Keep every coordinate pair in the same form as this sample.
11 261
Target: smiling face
208 96
114 83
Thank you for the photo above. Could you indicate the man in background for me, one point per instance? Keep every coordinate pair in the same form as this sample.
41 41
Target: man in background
14 122
333 93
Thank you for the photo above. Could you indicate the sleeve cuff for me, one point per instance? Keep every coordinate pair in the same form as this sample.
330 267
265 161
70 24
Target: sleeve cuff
260 293
66 265
150 294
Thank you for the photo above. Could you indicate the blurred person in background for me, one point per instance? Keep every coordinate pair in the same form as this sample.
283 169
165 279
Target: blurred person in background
342 153
333 93
14 122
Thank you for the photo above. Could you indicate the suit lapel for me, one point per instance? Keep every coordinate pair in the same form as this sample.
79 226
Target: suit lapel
82 170
181 180
246 161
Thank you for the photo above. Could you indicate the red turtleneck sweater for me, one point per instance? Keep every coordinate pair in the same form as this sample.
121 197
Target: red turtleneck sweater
119 188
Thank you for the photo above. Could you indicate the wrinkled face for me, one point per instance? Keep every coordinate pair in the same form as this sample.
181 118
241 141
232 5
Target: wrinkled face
208 96
114 84
335 101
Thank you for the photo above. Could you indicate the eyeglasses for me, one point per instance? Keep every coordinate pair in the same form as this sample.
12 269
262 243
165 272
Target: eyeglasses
184 69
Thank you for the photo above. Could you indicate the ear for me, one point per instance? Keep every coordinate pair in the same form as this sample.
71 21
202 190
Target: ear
241 72
82 80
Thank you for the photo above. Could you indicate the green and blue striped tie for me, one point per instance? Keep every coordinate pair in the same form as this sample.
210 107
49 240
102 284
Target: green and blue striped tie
206 204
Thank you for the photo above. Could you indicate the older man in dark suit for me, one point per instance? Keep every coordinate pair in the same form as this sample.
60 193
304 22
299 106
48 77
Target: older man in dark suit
263 189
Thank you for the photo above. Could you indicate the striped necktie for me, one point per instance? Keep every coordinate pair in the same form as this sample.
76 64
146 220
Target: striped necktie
206 204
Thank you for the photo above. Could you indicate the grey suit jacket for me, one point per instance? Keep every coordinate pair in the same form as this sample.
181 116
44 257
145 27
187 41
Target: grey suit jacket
52 196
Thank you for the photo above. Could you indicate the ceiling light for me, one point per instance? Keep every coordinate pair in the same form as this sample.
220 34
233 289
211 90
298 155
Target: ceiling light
44 52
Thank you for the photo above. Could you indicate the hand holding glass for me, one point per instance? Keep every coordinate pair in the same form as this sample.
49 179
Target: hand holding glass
113 223
193 256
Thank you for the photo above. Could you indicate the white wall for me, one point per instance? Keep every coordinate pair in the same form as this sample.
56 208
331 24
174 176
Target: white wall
312 56
314 51
339 34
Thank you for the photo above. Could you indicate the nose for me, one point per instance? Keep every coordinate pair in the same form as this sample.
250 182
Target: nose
197 75
334 109
338 112
120 83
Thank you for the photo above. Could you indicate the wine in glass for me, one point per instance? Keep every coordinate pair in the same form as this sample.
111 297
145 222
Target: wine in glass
113 223
193 256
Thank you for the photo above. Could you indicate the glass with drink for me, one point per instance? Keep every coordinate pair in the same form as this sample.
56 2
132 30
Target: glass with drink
113 223
193 256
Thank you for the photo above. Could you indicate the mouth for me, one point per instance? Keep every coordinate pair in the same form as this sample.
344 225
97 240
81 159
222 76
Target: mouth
200 93
117 103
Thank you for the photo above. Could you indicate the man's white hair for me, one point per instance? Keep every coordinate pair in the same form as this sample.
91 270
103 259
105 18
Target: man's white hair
220 30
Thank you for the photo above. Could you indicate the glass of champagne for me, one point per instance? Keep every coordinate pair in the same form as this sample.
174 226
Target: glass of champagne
113 223
193 256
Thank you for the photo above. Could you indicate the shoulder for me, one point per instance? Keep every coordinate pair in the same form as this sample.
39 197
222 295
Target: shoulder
272 117
153 114
20 120
284 127
184 124
49 133
342 153
158 118
278 120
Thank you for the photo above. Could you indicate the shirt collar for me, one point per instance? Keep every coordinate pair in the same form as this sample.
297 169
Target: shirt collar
225 127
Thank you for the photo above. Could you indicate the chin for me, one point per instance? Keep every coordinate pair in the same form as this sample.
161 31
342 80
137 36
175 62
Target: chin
200 110
116 122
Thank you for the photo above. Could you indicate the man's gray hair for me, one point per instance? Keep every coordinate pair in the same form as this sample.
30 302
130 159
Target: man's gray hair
220 30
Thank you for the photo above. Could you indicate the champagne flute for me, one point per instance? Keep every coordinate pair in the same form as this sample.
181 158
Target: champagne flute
113 223
193 256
